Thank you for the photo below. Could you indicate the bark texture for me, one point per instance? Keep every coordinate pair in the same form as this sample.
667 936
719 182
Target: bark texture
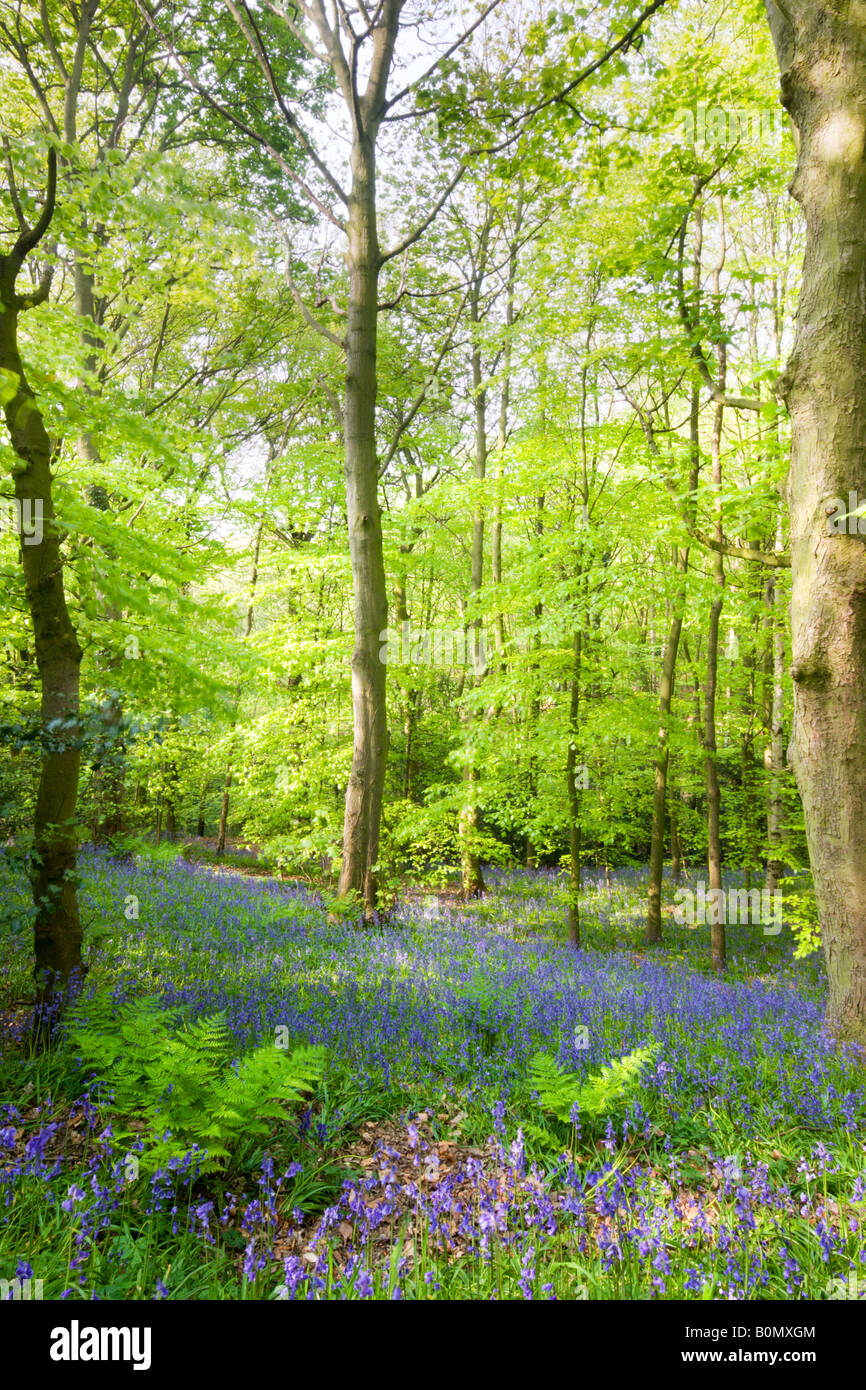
57 929
822 56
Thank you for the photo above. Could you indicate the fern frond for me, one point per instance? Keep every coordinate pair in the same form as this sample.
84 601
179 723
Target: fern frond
182 1079
559 1091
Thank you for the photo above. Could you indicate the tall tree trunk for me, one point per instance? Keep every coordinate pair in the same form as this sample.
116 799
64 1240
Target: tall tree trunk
822 56
222 831
496 567
573 791
109 777
470 862
401 617
248 627
502 435
753 838
776 761
535 702
370 720
660 771
202 806
714 795
57 930
669 659
676 849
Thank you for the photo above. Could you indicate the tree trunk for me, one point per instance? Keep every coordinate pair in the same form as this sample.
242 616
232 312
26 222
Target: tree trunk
776 766
202 807
470 862
822 57
109 776
370 733
574 797
714 795
57 930
660 774
248 627
401 617
669 659
676 850
224 807
535 702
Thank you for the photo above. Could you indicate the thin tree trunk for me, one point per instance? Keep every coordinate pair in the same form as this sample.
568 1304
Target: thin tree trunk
573 791
248 627
224 805
202 805
669 660
470 862
714 796
535 702
676 851
660 772
502 435
775 804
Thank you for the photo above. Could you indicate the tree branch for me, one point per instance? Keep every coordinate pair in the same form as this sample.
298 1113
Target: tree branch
422 226
13 186
30 237
410 87
308 317
692 332
406 421
242 125
611 52
250 31
773 559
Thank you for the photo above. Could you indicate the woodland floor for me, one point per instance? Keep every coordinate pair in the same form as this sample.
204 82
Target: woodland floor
426 1164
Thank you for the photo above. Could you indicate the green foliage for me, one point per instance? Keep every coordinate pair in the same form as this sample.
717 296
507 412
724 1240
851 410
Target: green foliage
345 907
800 911
559 1091
426 839
488 1007
183 1081
143 849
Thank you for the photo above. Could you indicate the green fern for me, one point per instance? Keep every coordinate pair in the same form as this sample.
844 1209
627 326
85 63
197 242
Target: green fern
559 1090
540 1136
491 1010
182 1079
